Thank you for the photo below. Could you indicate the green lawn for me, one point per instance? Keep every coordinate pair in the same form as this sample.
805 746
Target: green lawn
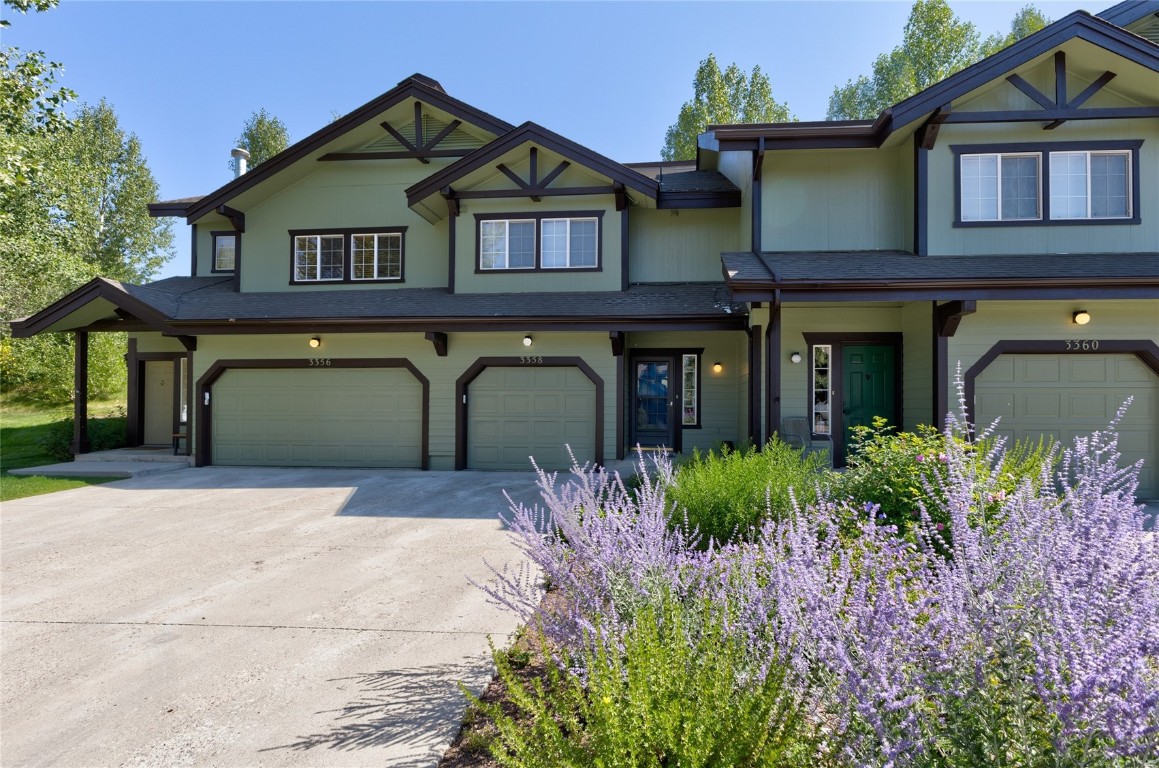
22 426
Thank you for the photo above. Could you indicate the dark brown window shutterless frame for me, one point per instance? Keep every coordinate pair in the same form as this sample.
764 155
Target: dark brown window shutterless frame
559 241
347 255
226 244
1107 175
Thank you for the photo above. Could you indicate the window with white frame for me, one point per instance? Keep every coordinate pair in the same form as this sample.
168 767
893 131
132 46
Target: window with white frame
1001 187
507 244
1062 183
376 256
822 415
318 257
534 242
690 364
1090 185
224 251
568 243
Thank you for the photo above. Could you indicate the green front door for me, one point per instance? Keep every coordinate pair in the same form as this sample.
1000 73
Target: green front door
869 373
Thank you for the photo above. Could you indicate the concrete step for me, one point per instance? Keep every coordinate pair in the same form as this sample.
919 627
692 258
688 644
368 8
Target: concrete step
101 469
158 455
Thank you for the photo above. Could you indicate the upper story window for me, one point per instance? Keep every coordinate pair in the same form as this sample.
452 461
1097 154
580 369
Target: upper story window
1083 183
539 242
224 251
367 254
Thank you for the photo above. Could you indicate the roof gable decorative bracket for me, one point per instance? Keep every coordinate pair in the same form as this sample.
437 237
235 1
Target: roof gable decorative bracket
947 316
439 340
236 217
617 340
533 185
927 135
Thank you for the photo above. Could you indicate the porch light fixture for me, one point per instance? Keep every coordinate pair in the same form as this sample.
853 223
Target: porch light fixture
794 357
1081 317
315 342
717 367
527 340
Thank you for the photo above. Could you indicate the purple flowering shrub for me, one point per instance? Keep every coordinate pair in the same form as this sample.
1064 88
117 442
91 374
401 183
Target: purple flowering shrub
1035 642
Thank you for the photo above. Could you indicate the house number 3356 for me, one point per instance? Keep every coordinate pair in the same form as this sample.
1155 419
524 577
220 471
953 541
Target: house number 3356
316 361
1083 345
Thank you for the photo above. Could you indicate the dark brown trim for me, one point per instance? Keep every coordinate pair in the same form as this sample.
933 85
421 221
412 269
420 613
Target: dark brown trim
1146 350
422 154
754 352
541 137
80 394
757 183
235 217
1091 89
618 340
452 324
136 413
676 355
533 193
410 88
922 199
439 341
1089 288
464 381
625 257
452 232
1050 115
949 315
945 320
348 254
97 288
838 341
193 250
1043 149
691 200
213 236
215 371
538 218
133 395
773 372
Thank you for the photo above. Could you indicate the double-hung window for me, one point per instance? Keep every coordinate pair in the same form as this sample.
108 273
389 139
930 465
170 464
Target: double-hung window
1060 183
224 251
539 242
377 256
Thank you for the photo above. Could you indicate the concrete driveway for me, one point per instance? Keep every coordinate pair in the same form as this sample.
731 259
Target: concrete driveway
243 617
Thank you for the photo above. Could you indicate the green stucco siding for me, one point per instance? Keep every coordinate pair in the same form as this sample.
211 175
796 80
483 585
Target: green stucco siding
737 167
1066 240
837 199
671 246
917 364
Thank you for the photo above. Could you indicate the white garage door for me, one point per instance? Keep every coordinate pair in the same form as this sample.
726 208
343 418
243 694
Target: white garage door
513 413
338 417
1068 395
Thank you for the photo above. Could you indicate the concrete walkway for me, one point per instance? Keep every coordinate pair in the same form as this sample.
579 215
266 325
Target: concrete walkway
245 617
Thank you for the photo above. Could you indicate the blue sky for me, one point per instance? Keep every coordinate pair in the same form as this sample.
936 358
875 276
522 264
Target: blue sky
184 76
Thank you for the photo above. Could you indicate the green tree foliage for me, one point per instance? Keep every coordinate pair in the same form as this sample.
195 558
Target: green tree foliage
30 104
263 136
85 216
935 45
719 97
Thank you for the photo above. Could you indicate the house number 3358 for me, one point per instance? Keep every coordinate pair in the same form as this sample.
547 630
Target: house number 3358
1084 345
531 360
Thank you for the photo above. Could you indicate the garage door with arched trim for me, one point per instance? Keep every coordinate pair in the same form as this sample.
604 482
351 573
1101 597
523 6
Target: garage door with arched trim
516 412
339 417
1068 395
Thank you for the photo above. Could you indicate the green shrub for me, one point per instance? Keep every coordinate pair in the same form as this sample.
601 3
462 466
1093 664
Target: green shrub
903 471
670 699
724 495
105 434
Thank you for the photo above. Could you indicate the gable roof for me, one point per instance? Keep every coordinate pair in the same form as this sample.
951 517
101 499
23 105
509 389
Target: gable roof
530 132
1129 12
863 133
420 87
137 301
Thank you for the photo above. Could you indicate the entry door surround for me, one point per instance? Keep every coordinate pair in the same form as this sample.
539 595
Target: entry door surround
839 341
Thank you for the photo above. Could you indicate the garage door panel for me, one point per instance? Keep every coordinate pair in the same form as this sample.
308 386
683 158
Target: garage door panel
517 412
1085 397
332 417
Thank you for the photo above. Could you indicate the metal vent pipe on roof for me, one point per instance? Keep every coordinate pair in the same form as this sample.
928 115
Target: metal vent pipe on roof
240 158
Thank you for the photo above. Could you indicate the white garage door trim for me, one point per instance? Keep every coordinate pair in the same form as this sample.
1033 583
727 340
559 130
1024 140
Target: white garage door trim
1145 350
204 423
463 383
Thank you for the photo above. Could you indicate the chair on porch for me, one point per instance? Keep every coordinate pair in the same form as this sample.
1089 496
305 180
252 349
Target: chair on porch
795 432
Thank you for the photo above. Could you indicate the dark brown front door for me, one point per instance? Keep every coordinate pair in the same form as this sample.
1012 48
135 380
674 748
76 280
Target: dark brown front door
654 402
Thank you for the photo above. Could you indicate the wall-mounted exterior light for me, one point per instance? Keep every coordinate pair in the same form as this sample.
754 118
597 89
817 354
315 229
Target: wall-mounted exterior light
794 357
717 367
315 342
527 340
1081 317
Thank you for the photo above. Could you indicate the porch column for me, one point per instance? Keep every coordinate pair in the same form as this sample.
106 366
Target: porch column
755 386
80 400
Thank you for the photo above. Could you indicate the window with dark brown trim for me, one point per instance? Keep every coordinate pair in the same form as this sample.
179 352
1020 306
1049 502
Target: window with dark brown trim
1054 183
539 242
224 250
356 255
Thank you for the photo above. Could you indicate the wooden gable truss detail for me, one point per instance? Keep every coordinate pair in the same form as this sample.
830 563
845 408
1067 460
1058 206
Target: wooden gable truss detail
417 148
535 187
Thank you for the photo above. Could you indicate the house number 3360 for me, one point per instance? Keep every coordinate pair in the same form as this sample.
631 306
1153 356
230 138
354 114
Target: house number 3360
1084 345
315 361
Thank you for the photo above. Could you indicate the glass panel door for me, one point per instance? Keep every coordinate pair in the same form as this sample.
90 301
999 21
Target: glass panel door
652 402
